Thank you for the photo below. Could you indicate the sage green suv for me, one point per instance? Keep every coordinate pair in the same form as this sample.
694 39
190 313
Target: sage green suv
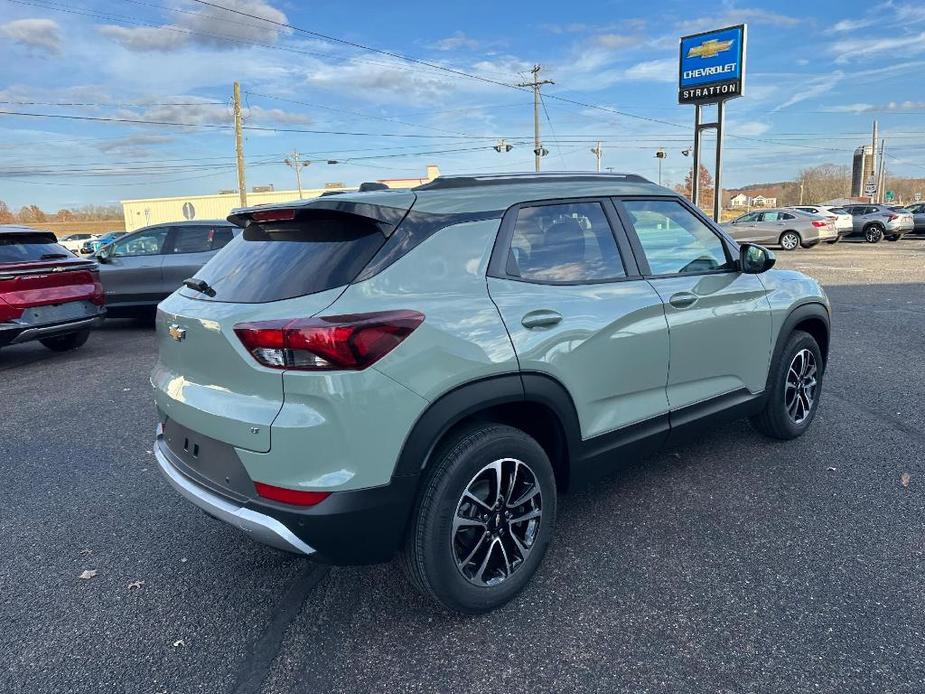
422 372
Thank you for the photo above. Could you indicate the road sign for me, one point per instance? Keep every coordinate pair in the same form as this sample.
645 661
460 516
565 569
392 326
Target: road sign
889 196
871 186
712 65
189 212
918 197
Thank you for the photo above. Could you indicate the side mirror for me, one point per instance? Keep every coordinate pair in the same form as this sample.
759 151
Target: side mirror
103 254
754 259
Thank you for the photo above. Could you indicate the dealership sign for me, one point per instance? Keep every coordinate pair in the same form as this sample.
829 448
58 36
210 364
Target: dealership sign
712 66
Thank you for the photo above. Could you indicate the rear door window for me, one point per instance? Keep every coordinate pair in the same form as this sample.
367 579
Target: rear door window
221 236
194 239
26 247
567 243
271 261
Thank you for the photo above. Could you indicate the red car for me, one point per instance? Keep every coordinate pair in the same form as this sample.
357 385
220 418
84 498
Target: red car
46 292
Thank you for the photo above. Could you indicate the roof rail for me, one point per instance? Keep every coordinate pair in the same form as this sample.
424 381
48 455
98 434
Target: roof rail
472 180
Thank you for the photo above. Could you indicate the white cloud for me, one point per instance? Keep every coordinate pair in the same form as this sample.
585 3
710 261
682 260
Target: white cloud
455 42
738 16
205 26
855 49
751 128
40 34
616 40
664 70
853 24
812 88
895 106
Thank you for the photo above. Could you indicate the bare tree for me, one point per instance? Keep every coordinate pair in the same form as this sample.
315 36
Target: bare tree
825 182
6 216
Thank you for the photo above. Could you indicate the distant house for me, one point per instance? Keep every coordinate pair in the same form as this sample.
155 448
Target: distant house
762 201
740 200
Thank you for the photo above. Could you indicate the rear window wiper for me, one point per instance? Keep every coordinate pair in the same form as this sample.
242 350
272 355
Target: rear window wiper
51 256
198 285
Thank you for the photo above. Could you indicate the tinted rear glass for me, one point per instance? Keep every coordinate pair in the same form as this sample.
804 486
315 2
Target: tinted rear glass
281 260
19 248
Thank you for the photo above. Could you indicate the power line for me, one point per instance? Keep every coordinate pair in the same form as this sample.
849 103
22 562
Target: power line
224 126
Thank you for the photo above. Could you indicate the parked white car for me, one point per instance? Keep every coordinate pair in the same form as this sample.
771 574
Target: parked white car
73 242
841 217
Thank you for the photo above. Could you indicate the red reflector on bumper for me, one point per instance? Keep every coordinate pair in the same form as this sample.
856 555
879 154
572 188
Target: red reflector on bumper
295 497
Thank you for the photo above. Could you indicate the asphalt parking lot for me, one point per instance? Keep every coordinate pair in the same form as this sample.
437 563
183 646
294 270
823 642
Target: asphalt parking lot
736 564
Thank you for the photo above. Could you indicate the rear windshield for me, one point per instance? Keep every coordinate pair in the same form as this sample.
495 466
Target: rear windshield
281 260
25 247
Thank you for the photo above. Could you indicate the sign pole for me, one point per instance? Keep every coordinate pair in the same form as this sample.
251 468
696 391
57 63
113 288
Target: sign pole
717 177
695 175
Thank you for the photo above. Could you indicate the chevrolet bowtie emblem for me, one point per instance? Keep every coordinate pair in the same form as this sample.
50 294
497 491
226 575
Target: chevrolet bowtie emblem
709 49
176 332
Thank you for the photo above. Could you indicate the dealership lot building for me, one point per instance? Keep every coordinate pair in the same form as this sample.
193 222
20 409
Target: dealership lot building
143 212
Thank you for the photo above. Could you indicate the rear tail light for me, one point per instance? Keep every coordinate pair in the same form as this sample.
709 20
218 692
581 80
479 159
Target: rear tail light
296 497
332 343
820 223
274 216
8 313
892 217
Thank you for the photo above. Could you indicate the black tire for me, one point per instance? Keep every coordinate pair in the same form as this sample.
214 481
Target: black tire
873 233
835 240
895 237
775 420
810 245
432 548
65 343
790 240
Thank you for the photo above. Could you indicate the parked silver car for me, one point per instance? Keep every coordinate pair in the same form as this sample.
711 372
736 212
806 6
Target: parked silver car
142 268
875 222
838 214
787 227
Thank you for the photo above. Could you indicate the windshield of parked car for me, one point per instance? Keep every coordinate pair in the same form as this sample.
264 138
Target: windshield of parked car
26 247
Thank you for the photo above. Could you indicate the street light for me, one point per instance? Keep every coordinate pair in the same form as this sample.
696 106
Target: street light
660 154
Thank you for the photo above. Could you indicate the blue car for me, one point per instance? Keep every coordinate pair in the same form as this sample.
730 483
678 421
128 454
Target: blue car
94 245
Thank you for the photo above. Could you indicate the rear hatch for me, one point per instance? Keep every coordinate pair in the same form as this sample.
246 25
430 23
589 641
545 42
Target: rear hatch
287 264
36 272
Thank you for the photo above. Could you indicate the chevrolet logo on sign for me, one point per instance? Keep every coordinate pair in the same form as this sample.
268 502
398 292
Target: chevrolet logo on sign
176 332
709 49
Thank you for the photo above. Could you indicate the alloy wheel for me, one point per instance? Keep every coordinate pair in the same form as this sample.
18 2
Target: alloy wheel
800 390
496 522
789 241
872 234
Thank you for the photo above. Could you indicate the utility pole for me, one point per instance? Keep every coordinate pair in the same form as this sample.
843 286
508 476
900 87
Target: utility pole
295 161
801 191
881 193
598 153
239 145
873 160
538 149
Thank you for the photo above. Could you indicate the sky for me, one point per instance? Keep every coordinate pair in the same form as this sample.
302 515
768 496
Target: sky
439 87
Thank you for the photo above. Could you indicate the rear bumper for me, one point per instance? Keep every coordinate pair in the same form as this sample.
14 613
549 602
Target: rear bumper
261 527
13 333
364 526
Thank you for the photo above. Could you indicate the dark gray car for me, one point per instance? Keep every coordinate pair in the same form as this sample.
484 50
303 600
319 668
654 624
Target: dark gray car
144 267
918 216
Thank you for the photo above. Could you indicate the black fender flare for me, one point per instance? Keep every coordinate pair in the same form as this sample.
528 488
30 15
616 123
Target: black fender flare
814 311
470 398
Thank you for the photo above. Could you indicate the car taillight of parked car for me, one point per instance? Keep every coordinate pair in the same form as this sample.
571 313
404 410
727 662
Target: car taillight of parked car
820 223
331 343
892 217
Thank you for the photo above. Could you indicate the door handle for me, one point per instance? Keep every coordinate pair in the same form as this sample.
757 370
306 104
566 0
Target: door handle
682 299
543 318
